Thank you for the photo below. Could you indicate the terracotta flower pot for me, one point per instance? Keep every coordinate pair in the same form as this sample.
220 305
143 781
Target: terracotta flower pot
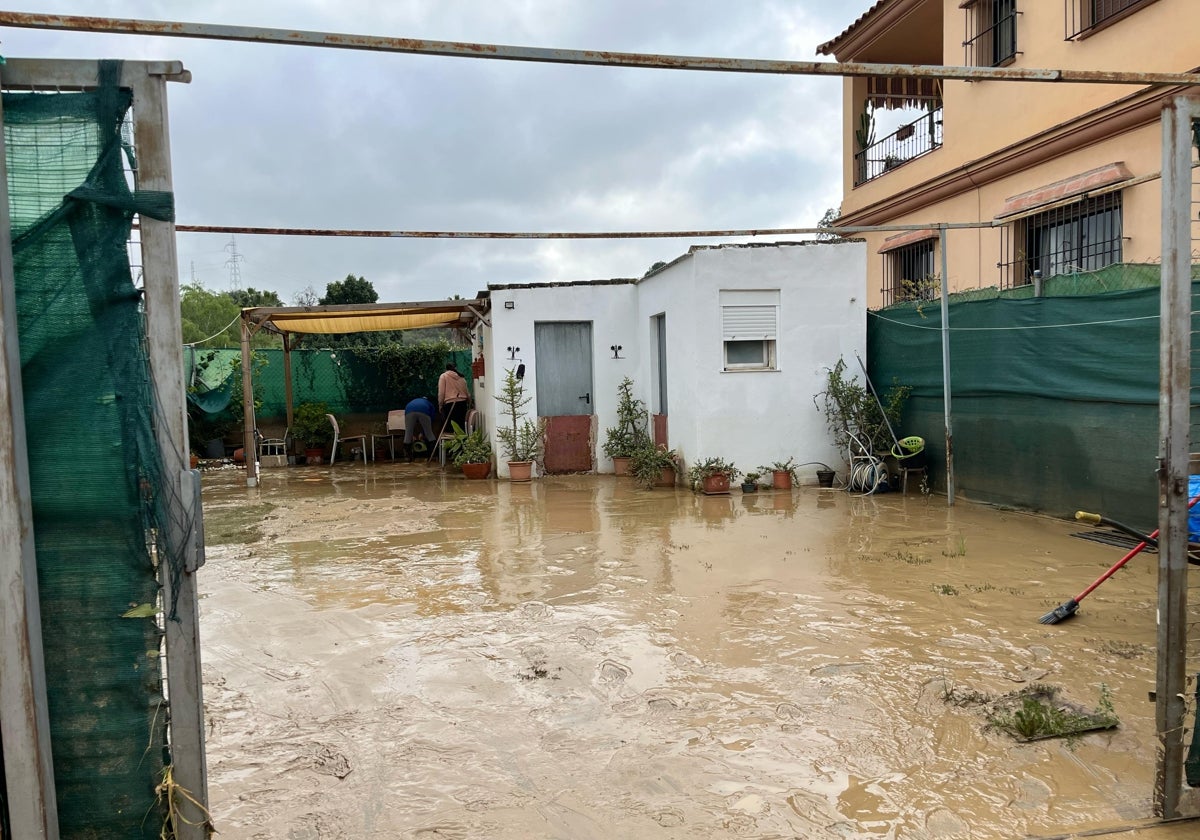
476 471
667 479
520 470
781 479
715 484
314 456
621 465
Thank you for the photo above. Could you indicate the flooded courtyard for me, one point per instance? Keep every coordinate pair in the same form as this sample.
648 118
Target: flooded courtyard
393 651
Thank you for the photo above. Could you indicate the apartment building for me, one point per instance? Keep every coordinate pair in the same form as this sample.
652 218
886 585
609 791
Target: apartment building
1068 174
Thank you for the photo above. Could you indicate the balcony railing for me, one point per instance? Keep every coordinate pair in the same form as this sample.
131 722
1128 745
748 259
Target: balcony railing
909 141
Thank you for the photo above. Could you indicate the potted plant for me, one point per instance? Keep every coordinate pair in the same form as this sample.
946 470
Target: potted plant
854 416
783 474
521 439
630 434
470 450
654 466
312 430
750 482
712 476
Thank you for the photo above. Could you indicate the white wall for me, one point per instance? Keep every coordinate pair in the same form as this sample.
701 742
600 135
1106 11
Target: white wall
610 308
748 417
755 417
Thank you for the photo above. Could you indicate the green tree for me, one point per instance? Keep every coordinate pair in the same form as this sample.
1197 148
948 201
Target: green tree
349 291
828 221
246 298
208 315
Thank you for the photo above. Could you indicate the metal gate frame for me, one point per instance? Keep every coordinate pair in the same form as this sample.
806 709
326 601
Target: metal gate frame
25 733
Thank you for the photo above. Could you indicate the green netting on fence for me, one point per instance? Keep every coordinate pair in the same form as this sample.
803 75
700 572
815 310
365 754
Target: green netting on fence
348 381
94 468
1055 399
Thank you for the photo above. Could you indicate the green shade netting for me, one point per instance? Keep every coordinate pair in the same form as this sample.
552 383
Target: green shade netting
95 474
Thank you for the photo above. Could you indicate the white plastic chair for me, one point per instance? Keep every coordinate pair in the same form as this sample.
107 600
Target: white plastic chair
337 438
395 429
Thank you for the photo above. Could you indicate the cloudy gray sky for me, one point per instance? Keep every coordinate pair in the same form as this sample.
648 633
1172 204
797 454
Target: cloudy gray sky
315 138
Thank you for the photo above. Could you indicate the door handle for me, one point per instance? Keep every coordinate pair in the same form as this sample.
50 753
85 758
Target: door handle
586 397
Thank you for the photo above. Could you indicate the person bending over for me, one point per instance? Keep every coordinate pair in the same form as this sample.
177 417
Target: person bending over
453 399
417 412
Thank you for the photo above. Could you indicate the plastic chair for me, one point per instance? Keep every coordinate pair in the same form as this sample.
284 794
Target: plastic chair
337 438
395 428
271 446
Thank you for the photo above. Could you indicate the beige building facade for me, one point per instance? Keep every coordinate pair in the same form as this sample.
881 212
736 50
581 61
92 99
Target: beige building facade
1067 175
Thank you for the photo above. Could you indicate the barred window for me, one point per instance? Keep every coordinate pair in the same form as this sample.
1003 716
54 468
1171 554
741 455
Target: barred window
1084 236
1086 16
991 32
908 273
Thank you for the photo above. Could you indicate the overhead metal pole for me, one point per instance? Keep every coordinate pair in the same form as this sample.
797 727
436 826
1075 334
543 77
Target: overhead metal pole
503 52
24 712
1174 416
946 368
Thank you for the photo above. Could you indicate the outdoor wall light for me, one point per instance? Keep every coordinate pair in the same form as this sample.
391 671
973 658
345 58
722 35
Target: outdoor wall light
510 304
616 348
513 351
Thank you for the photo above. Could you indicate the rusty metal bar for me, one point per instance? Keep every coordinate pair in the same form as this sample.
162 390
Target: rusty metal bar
627 234
1174 418
946 400
459 49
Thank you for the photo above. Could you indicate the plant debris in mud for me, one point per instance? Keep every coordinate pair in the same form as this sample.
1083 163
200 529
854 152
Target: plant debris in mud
1036 711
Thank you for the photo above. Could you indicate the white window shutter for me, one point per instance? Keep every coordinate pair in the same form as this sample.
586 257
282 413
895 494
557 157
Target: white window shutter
749 323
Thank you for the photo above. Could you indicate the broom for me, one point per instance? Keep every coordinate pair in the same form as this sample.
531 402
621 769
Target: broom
1069 608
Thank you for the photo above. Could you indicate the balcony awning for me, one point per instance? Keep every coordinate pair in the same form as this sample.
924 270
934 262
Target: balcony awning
895 92
1102 178
909 237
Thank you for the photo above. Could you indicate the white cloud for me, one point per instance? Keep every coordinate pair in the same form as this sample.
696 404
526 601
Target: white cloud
295 137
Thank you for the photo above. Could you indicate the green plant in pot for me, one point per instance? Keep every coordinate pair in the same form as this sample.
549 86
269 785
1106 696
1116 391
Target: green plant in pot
521 440
650 466
750 482
631 432
783 473
312 430
712 476
853 414
470 450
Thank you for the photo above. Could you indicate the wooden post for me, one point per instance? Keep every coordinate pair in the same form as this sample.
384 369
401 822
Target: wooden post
287 376
1175 323
24 716
160 272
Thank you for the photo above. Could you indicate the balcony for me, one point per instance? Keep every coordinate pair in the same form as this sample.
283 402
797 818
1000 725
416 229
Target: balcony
908 142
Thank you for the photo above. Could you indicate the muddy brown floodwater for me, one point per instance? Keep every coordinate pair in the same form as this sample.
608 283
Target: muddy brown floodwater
392 651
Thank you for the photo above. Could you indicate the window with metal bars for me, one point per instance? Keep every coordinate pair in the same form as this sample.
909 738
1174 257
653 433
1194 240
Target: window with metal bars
1084 236
908 273
991 32
1085 16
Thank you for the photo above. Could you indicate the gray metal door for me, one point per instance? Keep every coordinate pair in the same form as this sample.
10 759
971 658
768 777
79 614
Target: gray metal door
563 366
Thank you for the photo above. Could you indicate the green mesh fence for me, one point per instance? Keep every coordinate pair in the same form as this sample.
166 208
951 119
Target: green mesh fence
94 468
1055 399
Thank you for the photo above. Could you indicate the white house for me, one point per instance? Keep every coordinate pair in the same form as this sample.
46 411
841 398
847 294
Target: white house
727 346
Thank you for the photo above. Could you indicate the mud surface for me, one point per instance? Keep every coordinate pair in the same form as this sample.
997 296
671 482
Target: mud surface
394 652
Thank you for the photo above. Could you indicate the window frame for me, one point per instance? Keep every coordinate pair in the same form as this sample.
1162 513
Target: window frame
1075 225
1079 16
896 263
757 322
991 33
